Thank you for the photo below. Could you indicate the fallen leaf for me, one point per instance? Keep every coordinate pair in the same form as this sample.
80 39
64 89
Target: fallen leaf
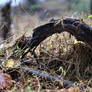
5 81
10 63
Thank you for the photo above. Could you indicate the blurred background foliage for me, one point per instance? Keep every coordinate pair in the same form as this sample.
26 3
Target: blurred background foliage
79 5
63 7
59 7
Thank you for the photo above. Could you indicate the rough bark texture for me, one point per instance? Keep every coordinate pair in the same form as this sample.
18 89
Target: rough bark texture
75 27
49 77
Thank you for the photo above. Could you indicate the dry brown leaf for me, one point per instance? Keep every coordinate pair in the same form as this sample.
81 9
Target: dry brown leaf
5 81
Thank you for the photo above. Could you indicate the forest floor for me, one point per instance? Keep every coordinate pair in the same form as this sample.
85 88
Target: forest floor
61 56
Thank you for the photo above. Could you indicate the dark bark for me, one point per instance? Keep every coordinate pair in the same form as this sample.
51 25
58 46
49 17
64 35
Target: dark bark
5 21
75 27
80 30
48 77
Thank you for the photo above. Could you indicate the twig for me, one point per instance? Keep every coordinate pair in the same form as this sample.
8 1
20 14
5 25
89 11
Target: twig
65 83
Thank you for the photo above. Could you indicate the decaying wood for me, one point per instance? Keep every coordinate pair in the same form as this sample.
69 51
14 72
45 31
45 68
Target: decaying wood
75 27
65 83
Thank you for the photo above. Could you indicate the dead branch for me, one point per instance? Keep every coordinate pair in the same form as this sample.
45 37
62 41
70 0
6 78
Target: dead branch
41 74
75 27
80 30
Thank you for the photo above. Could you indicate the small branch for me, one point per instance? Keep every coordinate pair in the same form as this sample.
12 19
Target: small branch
65 83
